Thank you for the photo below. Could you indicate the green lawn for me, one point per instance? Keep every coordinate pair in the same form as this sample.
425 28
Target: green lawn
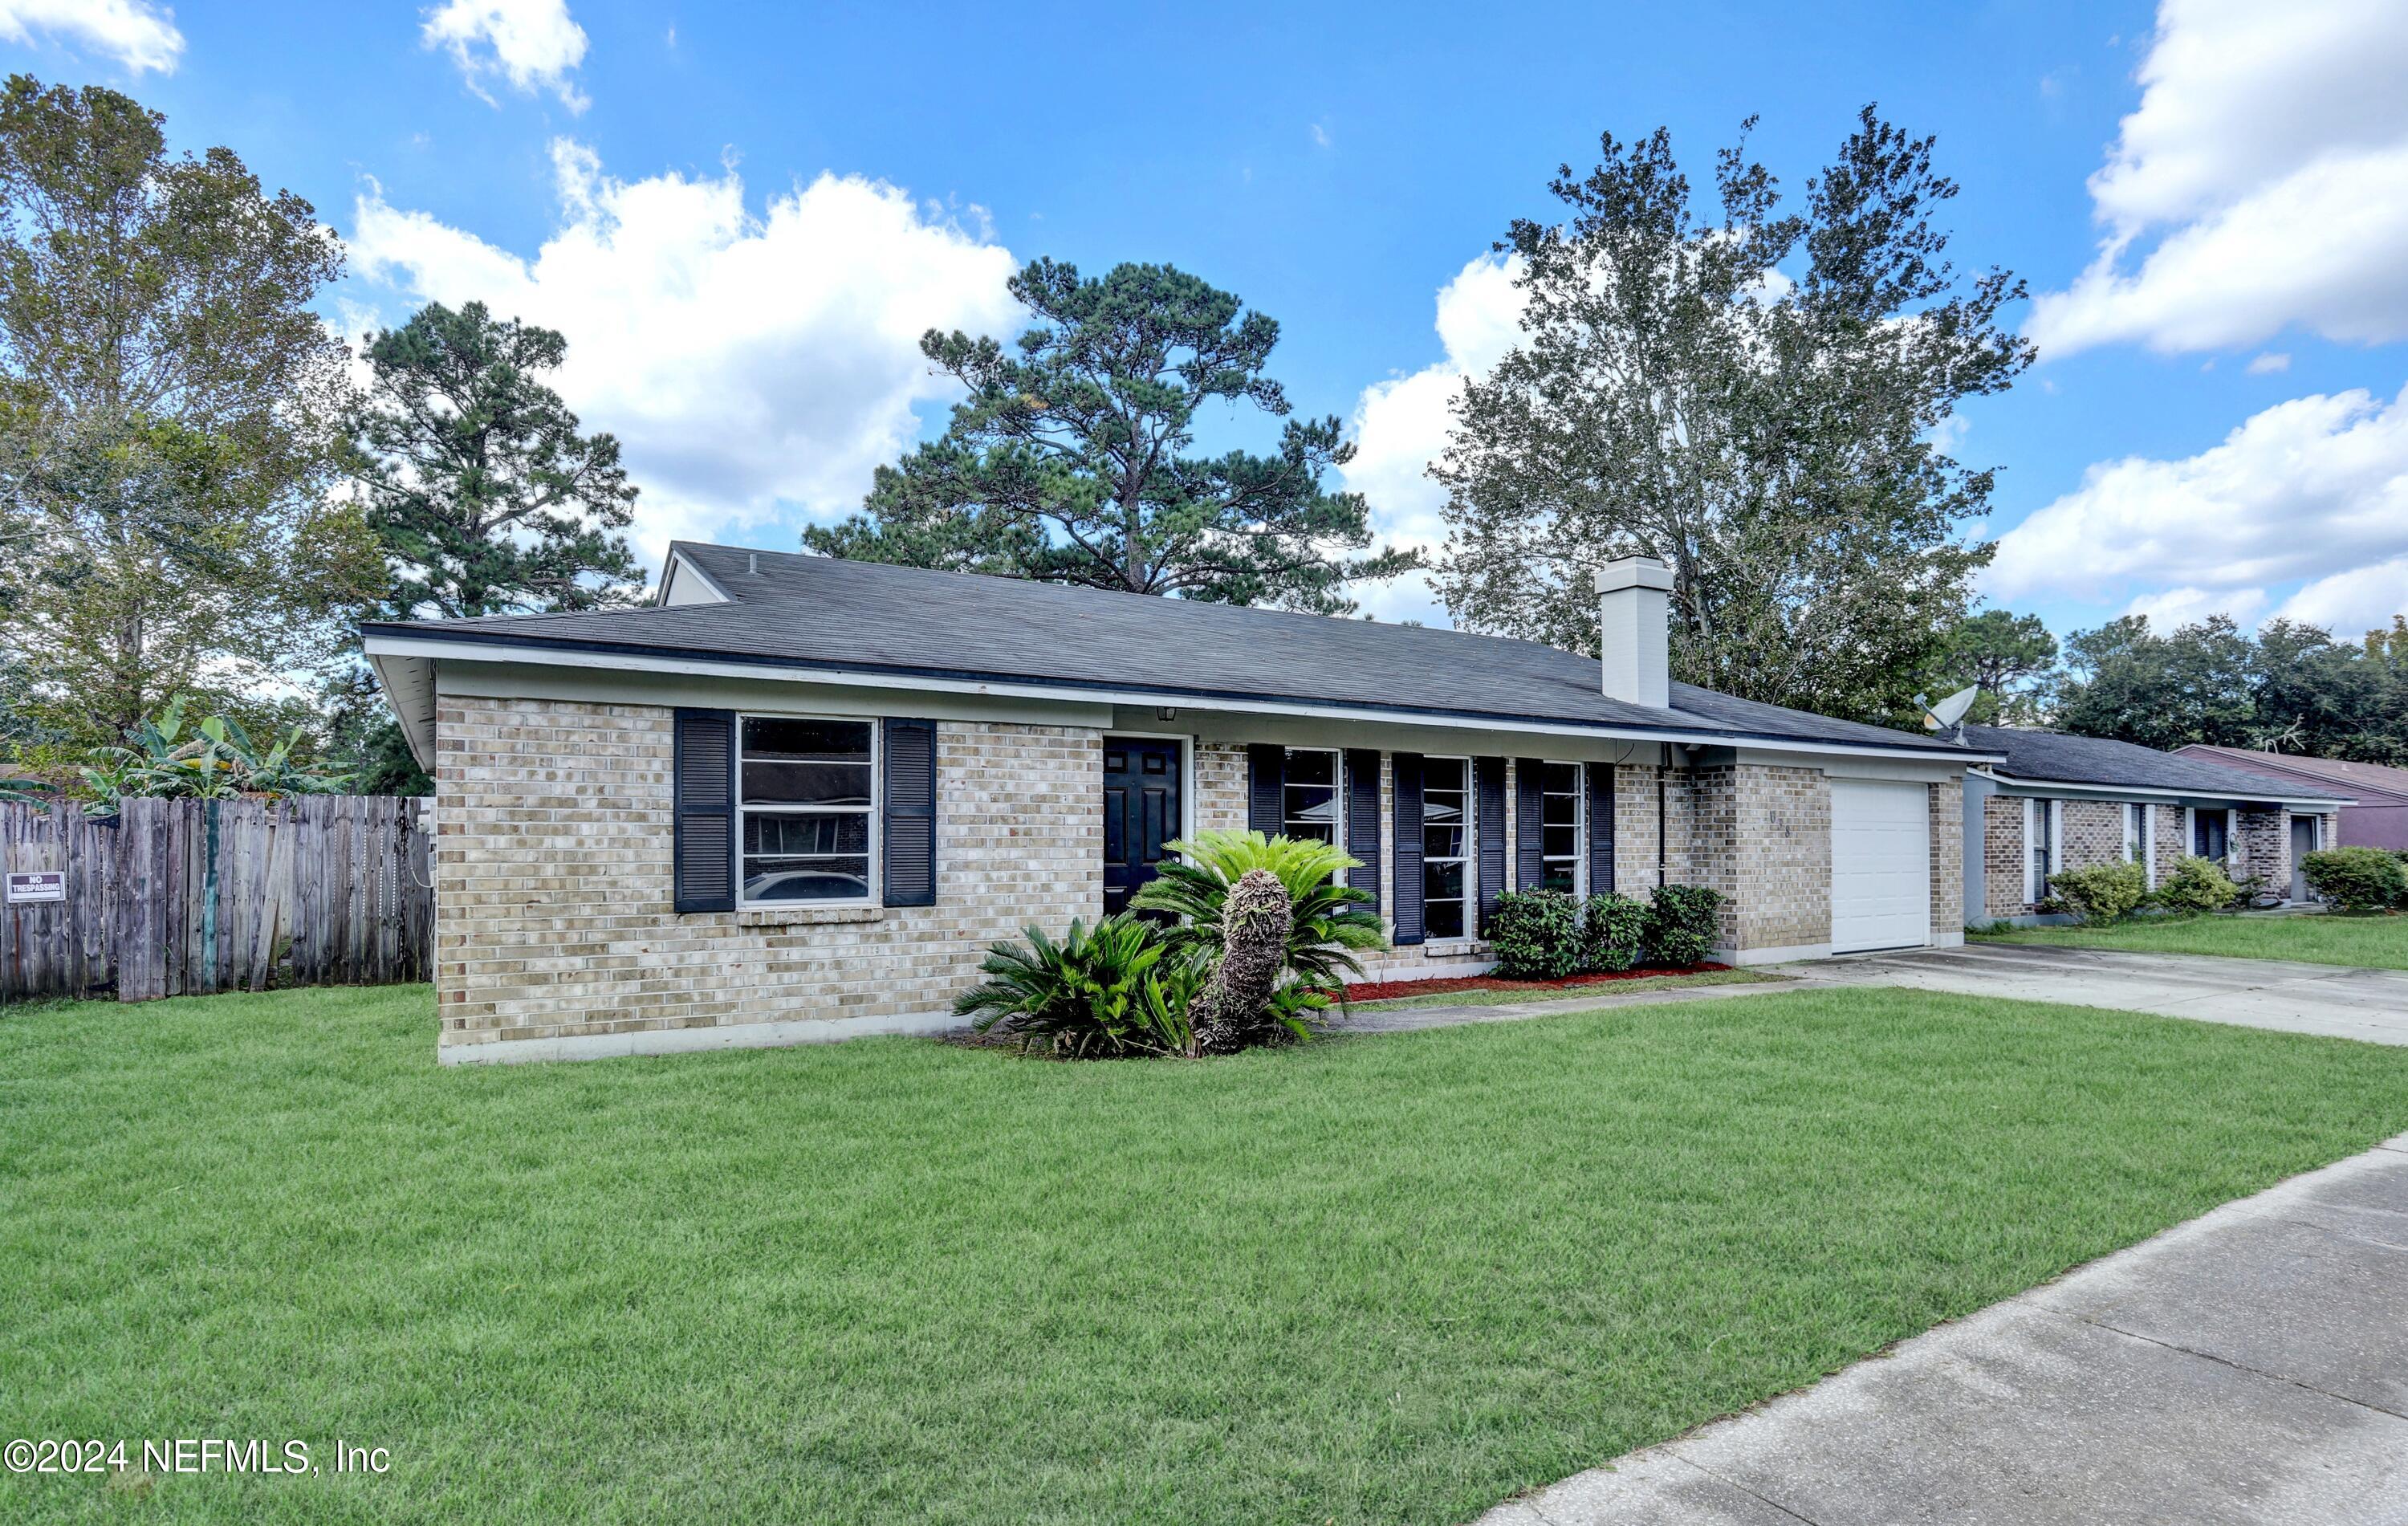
2369 941
1377 1279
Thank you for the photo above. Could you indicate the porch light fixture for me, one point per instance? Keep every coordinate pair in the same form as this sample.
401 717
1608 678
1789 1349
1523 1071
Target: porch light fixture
1166 712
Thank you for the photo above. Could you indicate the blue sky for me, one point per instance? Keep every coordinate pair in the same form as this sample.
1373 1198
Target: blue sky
742 216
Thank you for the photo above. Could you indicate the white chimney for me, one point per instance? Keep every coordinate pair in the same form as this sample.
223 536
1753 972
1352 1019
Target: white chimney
1633 609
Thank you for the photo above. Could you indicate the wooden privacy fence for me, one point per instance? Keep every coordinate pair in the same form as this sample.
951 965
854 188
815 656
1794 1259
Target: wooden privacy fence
174 898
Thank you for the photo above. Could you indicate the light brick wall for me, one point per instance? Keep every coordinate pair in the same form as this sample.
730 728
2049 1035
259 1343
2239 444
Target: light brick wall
2002 849
1947 860
552 895
1634 828
2173 845
2092 833
1220 787
2262 843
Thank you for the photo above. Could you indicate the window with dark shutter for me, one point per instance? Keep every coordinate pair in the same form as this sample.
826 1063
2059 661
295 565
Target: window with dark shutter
1363 822
1266 790
1406 845
1489 774
1599 816
1529 823
909 828
703 820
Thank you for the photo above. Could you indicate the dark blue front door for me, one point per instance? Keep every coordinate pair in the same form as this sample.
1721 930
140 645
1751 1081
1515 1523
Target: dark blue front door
1141 812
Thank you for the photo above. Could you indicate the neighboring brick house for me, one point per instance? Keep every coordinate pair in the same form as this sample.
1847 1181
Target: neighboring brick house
2056 802
796 798
2377 814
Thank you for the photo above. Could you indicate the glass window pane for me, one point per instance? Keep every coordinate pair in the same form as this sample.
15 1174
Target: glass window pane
1442 918
1442 882
774 834
825 878
781 783
1559 876
1560 811
1560 778
1442 808
1311 766
1312 802
1441 841
1559 842
779 736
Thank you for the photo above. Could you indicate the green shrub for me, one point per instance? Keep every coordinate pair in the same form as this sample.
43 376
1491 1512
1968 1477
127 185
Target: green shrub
1682 923
2102 892
1537 934
1085 995
2356 879
1614 932
2197 886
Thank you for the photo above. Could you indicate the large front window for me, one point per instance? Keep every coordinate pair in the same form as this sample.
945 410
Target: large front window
2211 834
1310 808
1446 843
808 790
1559 828
2039 848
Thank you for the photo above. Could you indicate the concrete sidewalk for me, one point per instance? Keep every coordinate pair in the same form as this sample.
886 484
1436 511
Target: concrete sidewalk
2332 1000
2248 1366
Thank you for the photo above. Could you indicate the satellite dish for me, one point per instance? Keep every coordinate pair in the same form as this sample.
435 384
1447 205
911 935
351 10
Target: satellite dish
1950 710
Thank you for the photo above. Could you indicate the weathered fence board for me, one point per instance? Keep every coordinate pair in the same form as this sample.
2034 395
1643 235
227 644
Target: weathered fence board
176 896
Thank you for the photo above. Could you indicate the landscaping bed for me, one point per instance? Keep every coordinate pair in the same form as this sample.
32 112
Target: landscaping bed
1386 1280
1389 991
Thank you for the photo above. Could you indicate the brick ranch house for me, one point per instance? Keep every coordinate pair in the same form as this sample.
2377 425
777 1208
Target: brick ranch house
2056 802
796 799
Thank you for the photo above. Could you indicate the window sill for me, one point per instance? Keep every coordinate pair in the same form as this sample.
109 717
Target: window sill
806 916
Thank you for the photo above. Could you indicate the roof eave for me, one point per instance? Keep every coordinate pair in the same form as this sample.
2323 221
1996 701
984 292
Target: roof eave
2176 792
401 639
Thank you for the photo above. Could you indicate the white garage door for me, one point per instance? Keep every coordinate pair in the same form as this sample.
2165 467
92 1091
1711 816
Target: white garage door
1880 865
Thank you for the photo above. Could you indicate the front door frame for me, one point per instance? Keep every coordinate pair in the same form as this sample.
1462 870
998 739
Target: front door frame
1186 788
2298 890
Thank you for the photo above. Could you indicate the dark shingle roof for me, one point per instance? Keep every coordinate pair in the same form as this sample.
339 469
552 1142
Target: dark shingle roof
790 610
2049 756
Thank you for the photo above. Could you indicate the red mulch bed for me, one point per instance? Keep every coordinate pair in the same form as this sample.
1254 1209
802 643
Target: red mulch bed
1388 990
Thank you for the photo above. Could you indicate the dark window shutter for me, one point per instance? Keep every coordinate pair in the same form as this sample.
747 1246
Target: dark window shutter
908 828
1265 791
703 827
1529 822
1406 848
1363 821
1488 786
1598 818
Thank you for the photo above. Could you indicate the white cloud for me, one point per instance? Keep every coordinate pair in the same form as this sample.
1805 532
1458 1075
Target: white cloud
2312 491
2268 365
531 43
2170 611
755 367
1402 425
2267 161
136 33
1320 135
2350 603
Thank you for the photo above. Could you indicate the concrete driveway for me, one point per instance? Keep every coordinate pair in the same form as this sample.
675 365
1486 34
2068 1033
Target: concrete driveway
2369 1004
2248 1366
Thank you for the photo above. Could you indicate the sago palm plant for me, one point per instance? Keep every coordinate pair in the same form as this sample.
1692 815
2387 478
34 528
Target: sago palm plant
1328 918
1093 993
